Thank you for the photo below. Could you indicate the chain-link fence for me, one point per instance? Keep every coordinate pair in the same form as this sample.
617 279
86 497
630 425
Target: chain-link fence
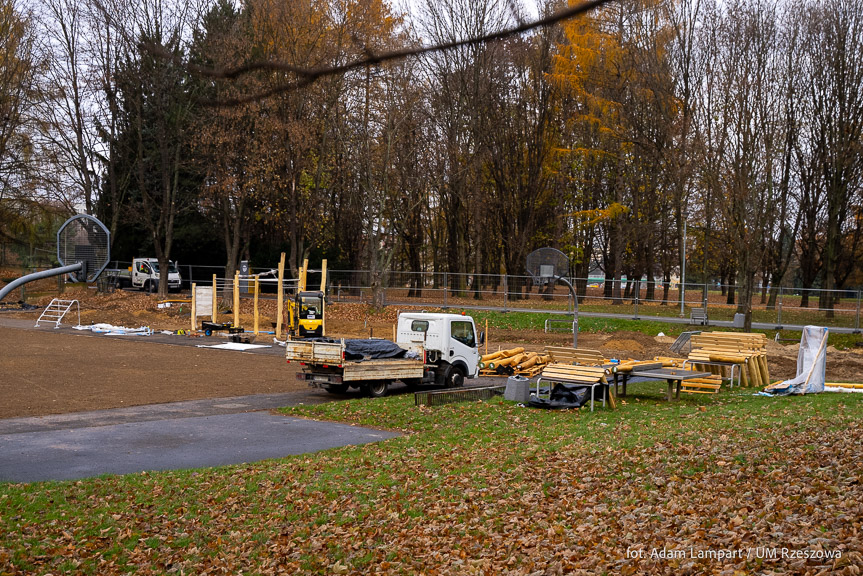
776 306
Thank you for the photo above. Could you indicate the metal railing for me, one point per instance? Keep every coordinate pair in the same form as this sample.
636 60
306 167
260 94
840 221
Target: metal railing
774 306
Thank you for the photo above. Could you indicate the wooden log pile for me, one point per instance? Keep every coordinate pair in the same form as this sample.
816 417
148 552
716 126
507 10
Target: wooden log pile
515 361
715 351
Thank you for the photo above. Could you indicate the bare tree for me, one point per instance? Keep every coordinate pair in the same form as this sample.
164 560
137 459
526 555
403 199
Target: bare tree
17 92
68 132
836 92
461 79
158 101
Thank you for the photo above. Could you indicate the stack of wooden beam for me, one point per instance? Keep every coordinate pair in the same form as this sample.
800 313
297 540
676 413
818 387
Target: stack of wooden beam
715 351
513 361
579 356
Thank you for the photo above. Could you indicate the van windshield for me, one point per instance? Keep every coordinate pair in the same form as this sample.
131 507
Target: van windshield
172 268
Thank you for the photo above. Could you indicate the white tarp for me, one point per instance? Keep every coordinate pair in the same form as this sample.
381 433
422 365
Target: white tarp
811 364
111 330
234 346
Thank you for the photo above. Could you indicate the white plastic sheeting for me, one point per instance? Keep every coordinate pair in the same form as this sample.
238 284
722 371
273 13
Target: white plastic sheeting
234 346
811 364
111 330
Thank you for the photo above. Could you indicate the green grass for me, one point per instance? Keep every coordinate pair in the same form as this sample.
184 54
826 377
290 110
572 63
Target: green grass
458 474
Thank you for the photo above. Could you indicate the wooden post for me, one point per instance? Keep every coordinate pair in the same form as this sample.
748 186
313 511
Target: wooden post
215 299
257 288
324 276
236 298
194 309
301 287
280 296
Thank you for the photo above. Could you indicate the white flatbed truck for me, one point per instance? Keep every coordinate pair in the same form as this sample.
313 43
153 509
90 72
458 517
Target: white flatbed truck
442 349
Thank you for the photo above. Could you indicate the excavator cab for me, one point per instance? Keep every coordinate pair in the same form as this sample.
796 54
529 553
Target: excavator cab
310 316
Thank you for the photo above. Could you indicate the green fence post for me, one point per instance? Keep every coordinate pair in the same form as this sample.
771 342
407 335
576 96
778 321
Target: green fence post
505 292
857 319
779 310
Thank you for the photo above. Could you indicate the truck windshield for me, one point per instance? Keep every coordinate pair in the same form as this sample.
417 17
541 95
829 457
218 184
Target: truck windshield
463 332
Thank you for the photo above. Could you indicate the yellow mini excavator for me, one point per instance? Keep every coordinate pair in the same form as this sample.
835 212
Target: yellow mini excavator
306 311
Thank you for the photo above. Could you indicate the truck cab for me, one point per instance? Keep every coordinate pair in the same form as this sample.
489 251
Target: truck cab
145 274
449 340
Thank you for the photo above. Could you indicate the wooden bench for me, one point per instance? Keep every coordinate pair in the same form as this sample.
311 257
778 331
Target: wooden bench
581 356
698 316
715 351
588 376
709 385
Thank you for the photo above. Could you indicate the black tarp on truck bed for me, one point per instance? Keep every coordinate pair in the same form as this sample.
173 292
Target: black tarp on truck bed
367 348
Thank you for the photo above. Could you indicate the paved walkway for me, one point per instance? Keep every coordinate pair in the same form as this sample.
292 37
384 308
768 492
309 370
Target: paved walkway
180 435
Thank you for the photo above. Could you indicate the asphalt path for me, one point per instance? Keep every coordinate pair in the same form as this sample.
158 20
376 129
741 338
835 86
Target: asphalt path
181 435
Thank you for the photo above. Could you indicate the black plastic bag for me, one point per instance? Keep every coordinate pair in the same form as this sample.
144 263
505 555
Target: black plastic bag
563 396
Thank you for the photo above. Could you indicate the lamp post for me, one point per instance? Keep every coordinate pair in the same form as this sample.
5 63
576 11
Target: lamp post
684 215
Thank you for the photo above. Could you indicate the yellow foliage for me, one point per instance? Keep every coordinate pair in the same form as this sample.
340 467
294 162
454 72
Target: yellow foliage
588 218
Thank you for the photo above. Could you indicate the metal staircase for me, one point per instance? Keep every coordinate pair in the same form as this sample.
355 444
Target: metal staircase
56 310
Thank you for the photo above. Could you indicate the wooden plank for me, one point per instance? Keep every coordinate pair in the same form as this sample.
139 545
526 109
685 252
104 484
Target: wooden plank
215 299
570 355
765 371
754 372
257 312
576 368
280 297
194 309
236 299
569 373
707 385
529 372
383 369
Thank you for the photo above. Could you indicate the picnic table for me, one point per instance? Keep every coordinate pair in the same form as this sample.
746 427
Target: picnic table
670 375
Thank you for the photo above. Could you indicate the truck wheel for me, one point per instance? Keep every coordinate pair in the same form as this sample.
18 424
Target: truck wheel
336 388
378 388
454 378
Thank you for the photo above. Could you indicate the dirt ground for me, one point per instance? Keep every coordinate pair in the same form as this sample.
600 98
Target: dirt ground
48 372
54 372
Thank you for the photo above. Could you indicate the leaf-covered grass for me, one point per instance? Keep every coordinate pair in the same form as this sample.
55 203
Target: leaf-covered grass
486 487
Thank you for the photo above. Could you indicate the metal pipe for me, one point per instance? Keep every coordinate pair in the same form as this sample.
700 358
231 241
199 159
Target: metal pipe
39 276
683 268
857 318
575 310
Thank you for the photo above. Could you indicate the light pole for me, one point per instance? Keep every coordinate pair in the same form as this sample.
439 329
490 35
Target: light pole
684 215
